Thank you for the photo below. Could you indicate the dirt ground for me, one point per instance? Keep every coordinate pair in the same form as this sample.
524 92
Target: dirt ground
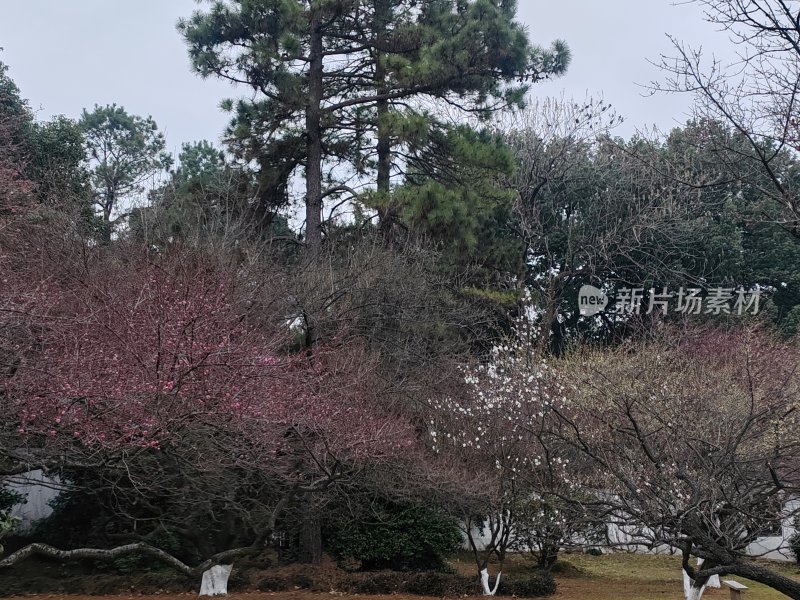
570 590
614 577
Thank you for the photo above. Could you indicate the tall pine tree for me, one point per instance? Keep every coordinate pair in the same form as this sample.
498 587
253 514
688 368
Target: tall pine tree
338 82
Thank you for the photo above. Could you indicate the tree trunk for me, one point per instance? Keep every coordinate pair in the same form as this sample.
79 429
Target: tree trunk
107 226
691 589
482 563
139 548
214 576
548 555
310 532
384 149
550 316
759 574
311 541
383 14
489 591
314 135
215 581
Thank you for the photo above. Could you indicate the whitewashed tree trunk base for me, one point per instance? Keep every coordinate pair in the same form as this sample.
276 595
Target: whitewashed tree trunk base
690 591
695 593
215 581
487 591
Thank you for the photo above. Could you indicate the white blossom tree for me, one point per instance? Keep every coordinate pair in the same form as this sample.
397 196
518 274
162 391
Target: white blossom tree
497 425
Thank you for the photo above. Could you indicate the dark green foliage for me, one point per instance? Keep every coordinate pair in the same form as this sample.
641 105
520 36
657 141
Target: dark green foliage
452 190
50 155
11 102
741 235
535 585
78 519
47 577
770 258
390 582
272 584
431 583
106 511
200 164
454 200
9 499
302 581
210 199
12 105
124 152
134 563
56 164
646 213
16 120
397 537
441 584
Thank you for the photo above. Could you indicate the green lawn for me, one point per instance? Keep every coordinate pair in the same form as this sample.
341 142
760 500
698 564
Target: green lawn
638 577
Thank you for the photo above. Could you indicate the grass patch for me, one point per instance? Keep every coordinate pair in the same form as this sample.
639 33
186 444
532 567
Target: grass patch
643 577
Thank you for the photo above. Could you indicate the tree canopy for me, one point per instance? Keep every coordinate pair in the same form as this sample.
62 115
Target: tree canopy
404 305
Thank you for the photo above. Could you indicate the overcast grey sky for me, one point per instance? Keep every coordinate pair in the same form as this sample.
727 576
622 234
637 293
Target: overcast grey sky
69 54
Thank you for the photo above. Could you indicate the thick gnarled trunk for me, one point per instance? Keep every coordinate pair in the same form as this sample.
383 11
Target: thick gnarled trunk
214 576
759 574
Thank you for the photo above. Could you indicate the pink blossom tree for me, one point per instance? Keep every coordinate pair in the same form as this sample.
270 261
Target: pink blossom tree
133 356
